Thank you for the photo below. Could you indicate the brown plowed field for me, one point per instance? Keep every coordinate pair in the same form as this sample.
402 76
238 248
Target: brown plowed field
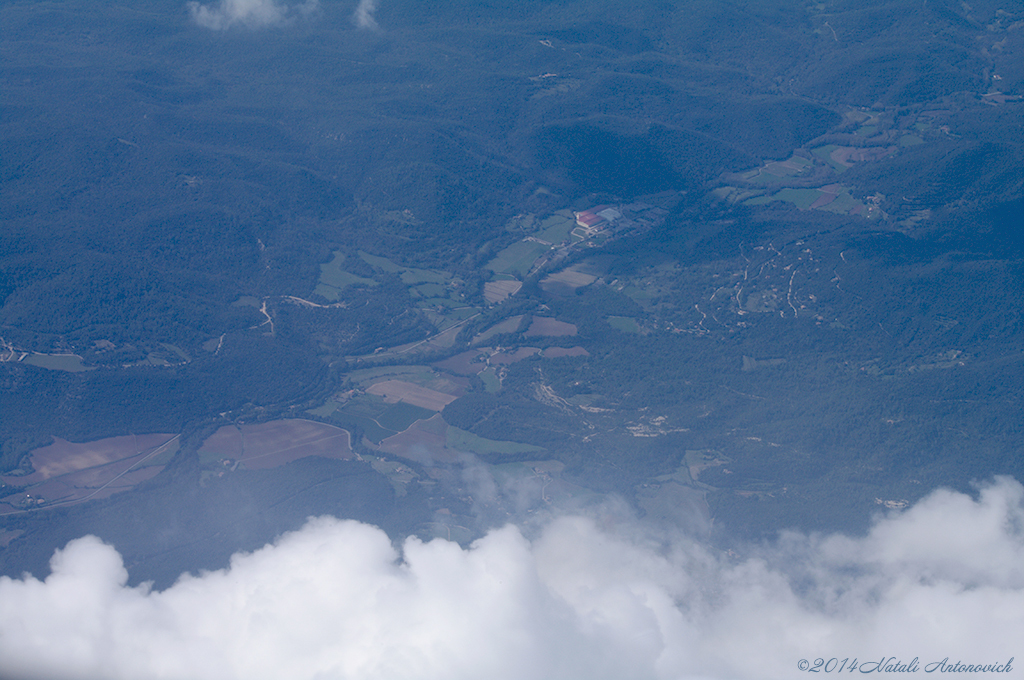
66 472
463 364
62 457
505 358
394 391
543 325
420 445
261 446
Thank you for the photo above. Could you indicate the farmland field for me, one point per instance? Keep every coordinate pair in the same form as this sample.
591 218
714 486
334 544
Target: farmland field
510 325
367 376
546 326
57 362
65 471
518 258
399 390
272 444
466 363
497 291
334 279
625 324
371 429
400 416
556 229
467 441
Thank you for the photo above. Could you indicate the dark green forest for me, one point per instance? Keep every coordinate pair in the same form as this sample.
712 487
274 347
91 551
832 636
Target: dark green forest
169 194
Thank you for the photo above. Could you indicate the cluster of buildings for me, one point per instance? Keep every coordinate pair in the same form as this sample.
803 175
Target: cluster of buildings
632 217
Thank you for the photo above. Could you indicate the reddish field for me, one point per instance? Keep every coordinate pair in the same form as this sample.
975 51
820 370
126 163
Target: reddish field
463 364
62 457
395 391
420 444
66 472
543 325
268 445
505 358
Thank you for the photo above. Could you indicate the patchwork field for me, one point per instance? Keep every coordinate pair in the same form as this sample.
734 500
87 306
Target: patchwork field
498 291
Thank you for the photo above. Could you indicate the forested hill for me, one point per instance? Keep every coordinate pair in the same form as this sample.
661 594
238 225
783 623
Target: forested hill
212 215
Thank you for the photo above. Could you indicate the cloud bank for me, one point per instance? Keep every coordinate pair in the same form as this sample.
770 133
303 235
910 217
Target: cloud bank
248 13
941 580
363 16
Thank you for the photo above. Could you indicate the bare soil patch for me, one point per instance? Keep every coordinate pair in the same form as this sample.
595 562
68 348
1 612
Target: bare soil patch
398 390
67 472
546 326
505 358
62 456
463 364
261 446
425 442
566 281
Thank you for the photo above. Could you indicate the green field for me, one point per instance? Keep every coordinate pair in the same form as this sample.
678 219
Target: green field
556 229
801 198
57 362
430 290
842 204
382 263
412 277
442 301
626 324
824 153
371 430
324 411
400 416
334 279
518 258
467 441
491 381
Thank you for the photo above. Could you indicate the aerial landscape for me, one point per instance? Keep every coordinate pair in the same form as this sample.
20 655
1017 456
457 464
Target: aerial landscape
545 339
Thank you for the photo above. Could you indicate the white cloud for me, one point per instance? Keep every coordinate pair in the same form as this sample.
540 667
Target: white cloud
944 578
248 13
363 16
